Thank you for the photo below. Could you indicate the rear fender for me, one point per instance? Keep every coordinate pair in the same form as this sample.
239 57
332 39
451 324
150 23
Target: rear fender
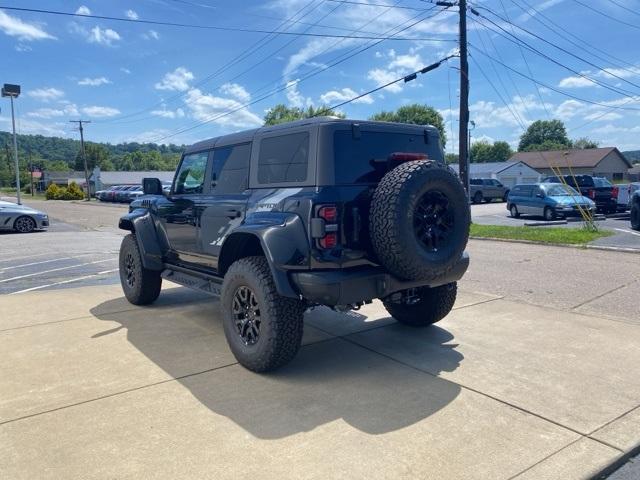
284 241
140 223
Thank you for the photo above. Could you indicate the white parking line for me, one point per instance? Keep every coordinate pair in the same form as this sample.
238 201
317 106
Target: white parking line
29 256
55 270
65 281
627 231
4 269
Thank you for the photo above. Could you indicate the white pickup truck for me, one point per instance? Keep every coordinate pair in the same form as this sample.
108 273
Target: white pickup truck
625 192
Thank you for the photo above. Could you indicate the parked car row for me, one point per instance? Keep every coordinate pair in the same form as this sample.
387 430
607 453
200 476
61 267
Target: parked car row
625 195
123 193
600 190
487 189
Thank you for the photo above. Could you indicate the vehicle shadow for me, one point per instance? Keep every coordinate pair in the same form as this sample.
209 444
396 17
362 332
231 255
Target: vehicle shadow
331 379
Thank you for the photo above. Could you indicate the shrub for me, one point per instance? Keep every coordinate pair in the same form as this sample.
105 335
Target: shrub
74 192
53 192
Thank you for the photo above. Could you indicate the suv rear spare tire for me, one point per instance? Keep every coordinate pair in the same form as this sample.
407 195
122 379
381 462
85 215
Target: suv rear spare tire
419 220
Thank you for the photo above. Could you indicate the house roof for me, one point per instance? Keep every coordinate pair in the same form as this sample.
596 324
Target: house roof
133 178
486 169
579 158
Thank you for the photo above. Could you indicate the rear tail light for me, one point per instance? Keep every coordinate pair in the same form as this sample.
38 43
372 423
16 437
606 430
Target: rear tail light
614 192
328 213
330 240
328 234
592 194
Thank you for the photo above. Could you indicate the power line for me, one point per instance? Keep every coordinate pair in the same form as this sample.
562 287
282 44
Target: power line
288 84
563 33
624 7
350 2
217 27
606 15
234 61
518 40
564 50
545 85
405 78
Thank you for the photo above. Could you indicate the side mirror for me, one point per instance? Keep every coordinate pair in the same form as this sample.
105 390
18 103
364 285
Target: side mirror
151 186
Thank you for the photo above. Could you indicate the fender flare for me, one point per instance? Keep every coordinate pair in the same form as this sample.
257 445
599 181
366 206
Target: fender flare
284 241
141 224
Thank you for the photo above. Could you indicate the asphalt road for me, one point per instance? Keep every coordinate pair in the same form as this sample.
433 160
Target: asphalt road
497 214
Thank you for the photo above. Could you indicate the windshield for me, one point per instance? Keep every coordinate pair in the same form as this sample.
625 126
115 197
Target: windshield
561 191
601 182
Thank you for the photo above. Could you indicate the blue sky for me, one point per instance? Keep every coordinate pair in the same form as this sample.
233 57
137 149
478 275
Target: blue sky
140 82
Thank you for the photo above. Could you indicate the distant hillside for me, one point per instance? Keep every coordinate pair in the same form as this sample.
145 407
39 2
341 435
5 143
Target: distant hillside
633 156
65 149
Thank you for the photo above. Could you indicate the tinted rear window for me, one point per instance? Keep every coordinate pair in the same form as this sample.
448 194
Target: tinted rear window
362 160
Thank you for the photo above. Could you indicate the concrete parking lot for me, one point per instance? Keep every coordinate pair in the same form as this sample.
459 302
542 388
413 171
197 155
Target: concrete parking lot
531 376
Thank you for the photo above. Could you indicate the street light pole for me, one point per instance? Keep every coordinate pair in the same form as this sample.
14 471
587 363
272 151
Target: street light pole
11 91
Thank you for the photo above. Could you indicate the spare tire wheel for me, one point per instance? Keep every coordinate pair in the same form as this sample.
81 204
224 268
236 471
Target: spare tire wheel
419 220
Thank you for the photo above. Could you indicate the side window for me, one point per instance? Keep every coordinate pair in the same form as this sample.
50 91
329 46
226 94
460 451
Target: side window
475 181
526 191
231 169
284 158
190 178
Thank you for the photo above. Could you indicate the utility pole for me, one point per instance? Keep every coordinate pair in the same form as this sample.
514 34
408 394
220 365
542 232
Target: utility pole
84 157
31 172
463 137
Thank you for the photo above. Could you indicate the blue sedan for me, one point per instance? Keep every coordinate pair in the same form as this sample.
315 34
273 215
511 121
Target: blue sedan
549 200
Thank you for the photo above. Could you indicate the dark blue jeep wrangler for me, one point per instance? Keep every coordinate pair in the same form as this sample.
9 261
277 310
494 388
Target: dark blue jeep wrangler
321 211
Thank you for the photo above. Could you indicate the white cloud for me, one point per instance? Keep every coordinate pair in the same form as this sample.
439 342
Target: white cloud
131 14
21 47
295 98
343 95
151 35
576 82
603 117
103 36
94 82
46 94
619 72
236 91
68 110
164 113
83 10
408 62
125 70
207 107
14 27
34 127
381 76
177 80
96 111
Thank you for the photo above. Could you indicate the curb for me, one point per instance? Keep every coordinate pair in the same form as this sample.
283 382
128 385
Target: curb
564 245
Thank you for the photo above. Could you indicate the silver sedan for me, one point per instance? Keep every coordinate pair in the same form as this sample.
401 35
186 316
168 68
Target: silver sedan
21 218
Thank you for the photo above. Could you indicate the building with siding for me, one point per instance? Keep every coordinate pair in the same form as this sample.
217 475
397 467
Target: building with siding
605 162
508 173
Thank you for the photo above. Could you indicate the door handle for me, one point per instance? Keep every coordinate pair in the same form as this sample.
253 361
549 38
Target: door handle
233 213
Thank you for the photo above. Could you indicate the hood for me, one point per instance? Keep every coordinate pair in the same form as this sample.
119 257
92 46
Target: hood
15 207
575 200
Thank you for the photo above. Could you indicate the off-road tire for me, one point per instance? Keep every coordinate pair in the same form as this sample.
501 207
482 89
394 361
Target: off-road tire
391 220
141 286
281 318
635 215
433 306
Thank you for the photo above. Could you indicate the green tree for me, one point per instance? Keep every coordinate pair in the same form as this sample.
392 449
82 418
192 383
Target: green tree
451 158
501 151
545 146
584 143
481 152
416 114
282 114
541 131
97 155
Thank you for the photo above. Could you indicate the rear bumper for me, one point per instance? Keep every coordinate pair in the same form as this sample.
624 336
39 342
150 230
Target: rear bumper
349 286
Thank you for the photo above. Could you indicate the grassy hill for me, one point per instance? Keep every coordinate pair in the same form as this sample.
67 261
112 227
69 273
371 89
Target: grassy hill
633 156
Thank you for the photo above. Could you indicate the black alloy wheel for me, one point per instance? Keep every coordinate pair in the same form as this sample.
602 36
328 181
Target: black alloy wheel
246 314
130 270
433 220
24 225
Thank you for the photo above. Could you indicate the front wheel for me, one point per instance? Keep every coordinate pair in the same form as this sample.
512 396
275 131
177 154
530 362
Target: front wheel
514 211
24 225
477 198
263 329
549 214
141 286
420 307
